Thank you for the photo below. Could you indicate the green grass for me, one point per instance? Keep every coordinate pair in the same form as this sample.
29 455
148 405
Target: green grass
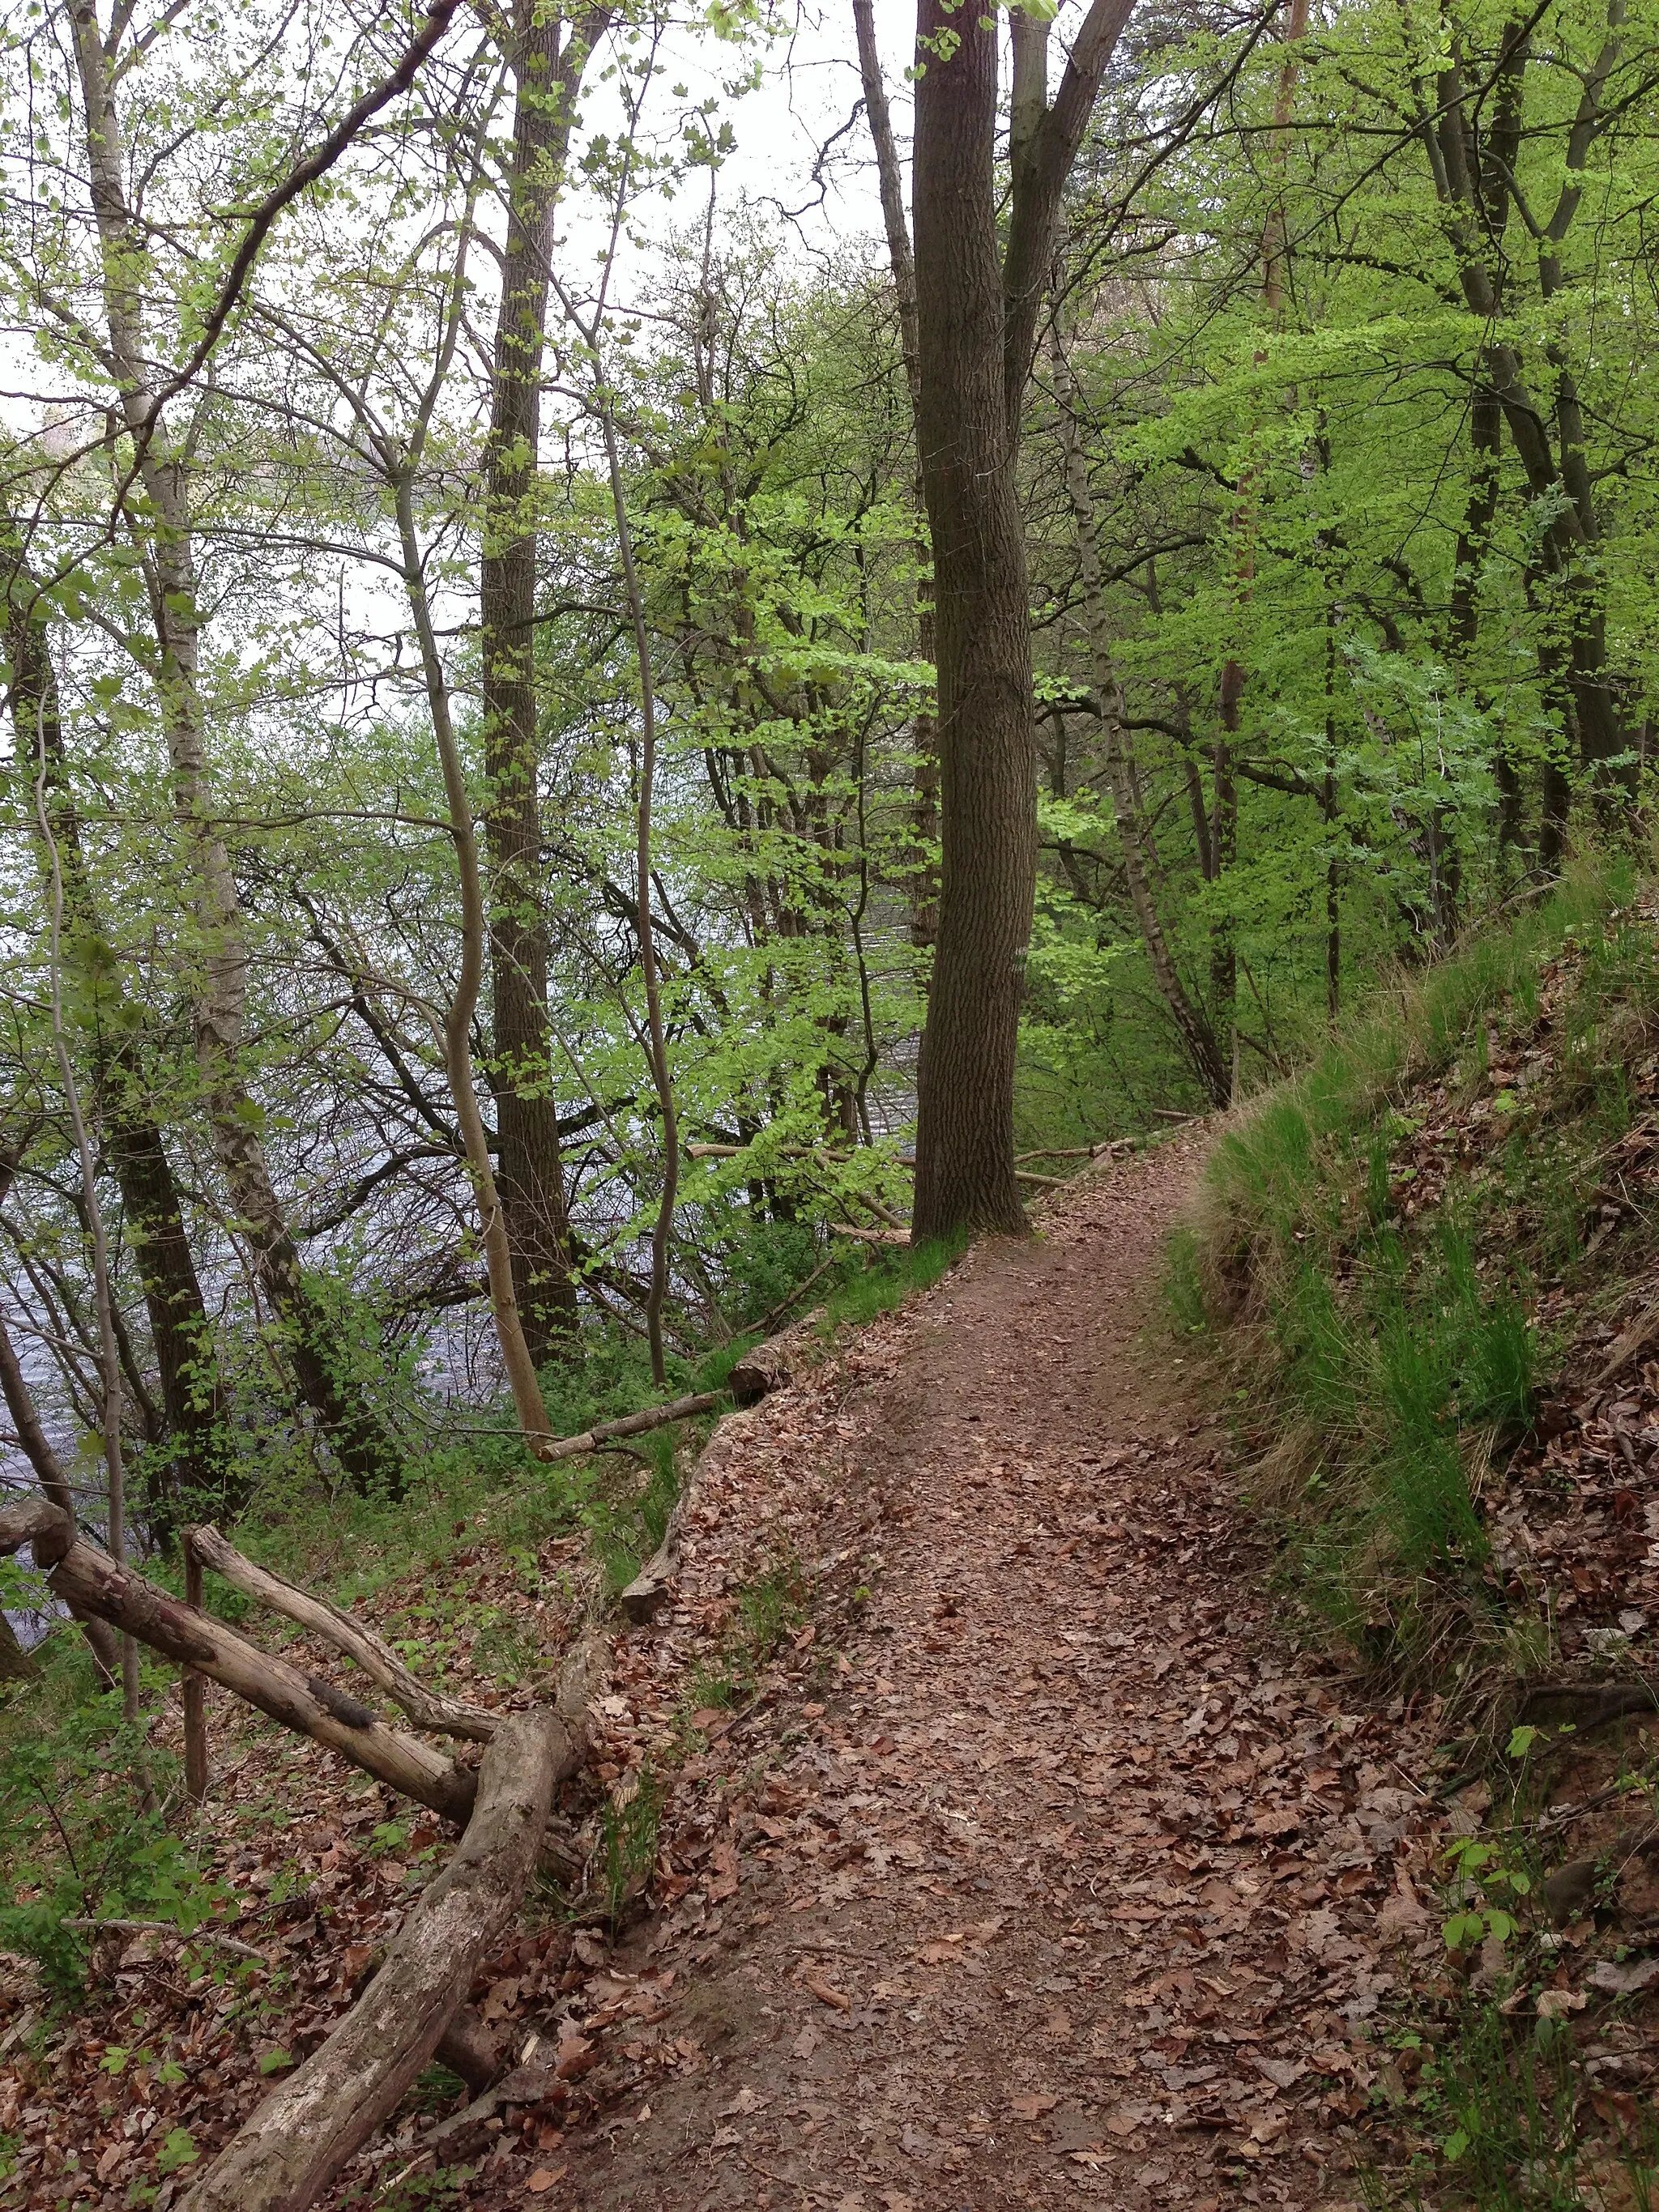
893 1274
1389 1346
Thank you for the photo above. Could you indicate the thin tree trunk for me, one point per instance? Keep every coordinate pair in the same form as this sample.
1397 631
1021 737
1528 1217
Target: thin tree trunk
192 1691
521 1376
1570 530
924 896
530 1172
202 1455
656 1034
109 1357
1133 837
49 1473
363 1442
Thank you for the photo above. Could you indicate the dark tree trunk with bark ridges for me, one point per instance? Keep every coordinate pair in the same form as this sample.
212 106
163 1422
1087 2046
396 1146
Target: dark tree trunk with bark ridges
530 1174
987 732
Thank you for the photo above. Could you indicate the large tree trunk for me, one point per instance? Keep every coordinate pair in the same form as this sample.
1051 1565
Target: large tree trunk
987 731
976 319
361 1442
530 1173
180 1333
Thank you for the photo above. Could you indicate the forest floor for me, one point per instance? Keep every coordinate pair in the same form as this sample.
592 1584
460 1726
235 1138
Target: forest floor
983 1839
1071 1881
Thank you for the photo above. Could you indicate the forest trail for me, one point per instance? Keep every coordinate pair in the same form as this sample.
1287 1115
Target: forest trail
1060 1895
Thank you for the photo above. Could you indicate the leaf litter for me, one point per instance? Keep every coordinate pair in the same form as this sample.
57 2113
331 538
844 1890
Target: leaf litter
1040 1870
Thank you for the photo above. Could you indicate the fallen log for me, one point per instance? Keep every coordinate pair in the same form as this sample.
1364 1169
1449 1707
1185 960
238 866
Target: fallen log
773 1364
1076 1151
470 2050
83 1575
302 2134
630 1424
643 1595
1053 1182
869 1236
204 1933
352 1637
799 1292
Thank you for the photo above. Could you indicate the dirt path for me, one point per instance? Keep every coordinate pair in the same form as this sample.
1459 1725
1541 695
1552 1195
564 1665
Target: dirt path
1068 1886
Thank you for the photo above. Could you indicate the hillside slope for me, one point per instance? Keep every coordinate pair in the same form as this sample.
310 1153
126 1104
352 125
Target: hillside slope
1433 1266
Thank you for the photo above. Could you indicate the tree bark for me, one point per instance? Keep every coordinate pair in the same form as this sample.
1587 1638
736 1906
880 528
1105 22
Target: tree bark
924 896
988 746
298 2139
530 1172
363 1442
976 320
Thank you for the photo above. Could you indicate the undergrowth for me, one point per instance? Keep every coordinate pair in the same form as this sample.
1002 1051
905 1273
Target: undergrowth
464 1546
1376 1281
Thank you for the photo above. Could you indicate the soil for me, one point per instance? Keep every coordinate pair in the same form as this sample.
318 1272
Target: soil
1069 1880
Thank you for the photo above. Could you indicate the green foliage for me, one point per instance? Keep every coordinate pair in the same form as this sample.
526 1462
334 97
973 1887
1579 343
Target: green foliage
627 1840
1400 1345
76 1849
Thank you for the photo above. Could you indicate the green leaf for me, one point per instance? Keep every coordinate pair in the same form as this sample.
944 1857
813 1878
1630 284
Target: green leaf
179 2150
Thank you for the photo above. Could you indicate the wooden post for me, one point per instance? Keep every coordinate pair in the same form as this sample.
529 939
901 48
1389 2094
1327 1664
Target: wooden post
195 1694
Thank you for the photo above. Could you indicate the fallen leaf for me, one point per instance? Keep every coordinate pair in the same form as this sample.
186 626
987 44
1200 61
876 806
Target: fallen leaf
576 2055
826 1992
1635 1974
1553 2004
724 1861
544 2177
1402 1911
1283 2073
1032 2104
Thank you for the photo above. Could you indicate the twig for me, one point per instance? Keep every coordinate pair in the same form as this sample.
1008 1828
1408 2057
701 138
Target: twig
796 1295
206 1933
360 1643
